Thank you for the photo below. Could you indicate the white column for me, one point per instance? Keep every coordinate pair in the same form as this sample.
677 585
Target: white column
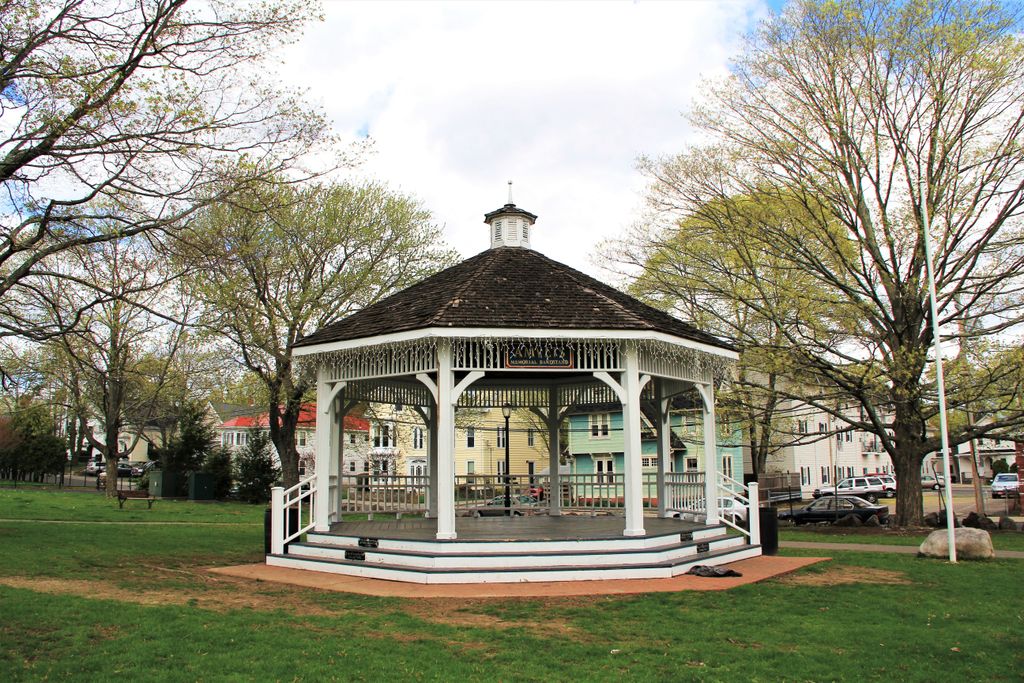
664 444
337 448
432 462
554 481
277 520
445 444
707 395
324 419
632 451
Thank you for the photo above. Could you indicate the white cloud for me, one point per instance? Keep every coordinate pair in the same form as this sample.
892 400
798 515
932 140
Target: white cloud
561 98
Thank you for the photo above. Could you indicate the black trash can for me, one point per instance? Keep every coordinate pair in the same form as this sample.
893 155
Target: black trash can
769 521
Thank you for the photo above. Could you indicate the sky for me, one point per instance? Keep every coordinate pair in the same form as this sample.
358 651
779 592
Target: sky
560 98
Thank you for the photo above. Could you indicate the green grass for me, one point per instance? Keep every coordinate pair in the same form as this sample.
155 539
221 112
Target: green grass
1001 540
92 506
94 602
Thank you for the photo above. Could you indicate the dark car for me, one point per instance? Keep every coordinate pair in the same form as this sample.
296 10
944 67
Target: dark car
495 507
831 508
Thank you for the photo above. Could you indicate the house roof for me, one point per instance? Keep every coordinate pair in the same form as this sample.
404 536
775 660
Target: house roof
307 418
508 287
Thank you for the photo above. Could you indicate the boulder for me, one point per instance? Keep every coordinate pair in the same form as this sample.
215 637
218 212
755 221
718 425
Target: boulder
849 520
971 544
931 519
872 521
1007 524
976 521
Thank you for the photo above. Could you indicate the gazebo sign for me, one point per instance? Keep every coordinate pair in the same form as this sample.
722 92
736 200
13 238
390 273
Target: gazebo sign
546 358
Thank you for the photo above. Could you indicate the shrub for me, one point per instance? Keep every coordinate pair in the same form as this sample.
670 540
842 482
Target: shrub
218 464
255 469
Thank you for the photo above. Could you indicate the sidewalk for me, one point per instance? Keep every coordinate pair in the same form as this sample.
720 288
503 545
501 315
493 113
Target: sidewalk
878 548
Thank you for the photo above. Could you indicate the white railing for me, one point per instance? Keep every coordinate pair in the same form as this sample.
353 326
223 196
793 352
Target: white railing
685 493
742 496
286 526
366 493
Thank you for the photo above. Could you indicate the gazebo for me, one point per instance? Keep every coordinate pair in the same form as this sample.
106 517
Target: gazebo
511 327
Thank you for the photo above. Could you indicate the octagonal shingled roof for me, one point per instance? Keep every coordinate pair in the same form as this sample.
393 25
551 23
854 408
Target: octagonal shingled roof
508 288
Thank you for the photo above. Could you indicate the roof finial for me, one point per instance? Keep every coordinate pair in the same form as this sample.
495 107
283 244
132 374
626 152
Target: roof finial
510 192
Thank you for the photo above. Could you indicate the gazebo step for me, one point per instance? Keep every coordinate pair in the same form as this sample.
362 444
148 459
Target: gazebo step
396 542
499 572
553 554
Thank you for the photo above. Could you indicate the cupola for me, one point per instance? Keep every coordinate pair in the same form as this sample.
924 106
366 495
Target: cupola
510 226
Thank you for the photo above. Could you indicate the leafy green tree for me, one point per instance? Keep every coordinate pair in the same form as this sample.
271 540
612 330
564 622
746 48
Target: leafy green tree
193 442
28 444
281 262
255 469
877 123
218 464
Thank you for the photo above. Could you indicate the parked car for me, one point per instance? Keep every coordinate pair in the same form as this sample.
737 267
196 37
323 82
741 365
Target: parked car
832 508
930 482
733 510
1004 483
888 484
94 467
870 488
495 507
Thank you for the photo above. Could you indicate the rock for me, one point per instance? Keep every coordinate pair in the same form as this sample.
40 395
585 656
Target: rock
932 519
1007 524
971 544
849 520
872 521
976 521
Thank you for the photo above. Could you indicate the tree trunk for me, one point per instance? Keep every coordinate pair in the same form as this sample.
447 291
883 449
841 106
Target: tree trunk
282 433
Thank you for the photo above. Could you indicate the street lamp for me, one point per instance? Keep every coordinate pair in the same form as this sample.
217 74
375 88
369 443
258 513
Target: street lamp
506 410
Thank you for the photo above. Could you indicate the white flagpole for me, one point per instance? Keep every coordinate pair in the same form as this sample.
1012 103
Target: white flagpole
940 380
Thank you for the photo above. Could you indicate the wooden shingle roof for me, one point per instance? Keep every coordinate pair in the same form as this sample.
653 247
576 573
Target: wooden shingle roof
509 288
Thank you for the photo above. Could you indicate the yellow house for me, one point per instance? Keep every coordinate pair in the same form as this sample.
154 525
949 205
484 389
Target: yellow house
480 444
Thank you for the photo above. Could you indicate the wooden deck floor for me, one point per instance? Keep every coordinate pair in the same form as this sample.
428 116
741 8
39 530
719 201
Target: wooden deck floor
527 528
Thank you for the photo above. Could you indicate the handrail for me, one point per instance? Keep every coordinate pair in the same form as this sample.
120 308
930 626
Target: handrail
282 500
749 501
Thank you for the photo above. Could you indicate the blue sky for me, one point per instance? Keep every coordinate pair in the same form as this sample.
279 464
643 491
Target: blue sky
561 98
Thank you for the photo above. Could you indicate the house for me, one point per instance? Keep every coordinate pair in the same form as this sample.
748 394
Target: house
596 442
236 432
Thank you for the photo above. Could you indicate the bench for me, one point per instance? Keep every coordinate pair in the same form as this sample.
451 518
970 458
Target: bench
124 496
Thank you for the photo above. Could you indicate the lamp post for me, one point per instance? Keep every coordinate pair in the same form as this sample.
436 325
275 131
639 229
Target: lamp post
506 410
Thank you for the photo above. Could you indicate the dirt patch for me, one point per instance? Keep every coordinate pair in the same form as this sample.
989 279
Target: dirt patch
217 595
465 614
839 575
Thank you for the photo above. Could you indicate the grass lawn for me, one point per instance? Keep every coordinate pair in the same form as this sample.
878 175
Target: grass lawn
1001 540
94 602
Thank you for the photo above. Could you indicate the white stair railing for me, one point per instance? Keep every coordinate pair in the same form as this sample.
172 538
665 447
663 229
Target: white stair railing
302 498
746 496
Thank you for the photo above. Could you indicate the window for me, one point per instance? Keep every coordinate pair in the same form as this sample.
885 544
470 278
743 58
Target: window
691 464
352 466
302 438
605 470
352 438
824 474
821 427
529 437
727 465
417 437
649 462
366 466
501 468
526 231
497 230
599 425
501 437
849 436
383 436
801 426
470 437
470 471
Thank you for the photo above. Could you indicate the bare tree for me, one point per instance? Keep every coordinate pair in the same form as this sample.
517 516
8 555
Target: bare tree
876 122
118 118
120 355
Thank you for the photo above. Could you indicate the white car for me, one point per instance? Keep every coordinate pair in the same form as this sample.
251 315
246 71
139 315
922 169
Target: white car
733 510
869 488
1004 483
